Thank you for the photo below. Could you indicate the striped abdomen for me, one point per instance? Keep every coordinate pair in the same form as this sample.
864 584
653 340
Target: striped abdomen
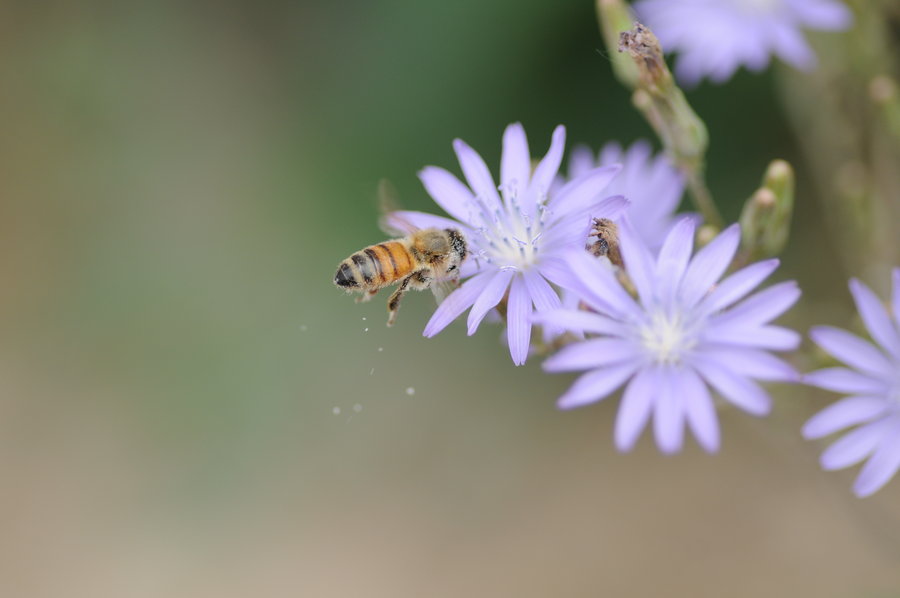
375 266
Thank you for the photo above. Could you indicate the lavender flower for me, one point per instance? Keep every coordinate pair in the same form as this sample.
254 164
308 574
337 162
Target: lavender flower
684 332
651 184
516 235
873 382
715 37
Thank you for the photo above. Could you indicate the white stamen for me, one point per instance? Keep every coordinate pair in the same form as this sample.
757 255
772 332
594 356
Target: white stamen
667 338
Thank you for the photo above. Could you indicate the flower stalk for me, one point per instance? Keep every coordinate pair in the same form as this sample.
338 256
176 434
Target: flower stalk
657 96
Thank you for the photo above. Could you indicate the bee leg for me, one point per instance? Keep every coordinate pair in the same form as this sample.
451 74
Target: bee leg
421 280
394 302
366 297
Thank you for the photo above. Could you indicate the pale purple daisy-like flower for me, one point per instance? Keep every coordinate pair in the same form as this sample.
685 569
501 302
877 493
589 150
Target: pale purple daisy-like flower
715 37
517 233
872 382
682 334
652 185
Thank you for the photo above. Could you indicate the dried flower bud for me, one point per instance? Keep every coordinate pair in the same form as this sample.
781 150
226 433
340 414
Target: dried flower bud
615 17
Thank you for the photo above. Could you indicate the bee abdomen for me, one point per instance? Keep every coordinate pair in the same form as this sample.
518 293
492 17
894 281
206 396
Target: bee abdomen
374 266
345 277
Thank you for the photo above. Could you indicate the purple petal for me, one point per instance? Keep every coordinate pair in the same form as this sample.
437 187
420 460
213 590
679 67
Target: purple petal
477 174
518 321
847 412
740 283
855 445
599 287
549 165
591 354
542 294
699 410
791 46
882 466
875 317
822 14
751 363
581 193
762 307
596 385
844 380
448 192
774 338
579 321
895 296
639 263
634 411
668 416
489 298
674 257
515 162
581 160
709 264
736 389
457 302
852 350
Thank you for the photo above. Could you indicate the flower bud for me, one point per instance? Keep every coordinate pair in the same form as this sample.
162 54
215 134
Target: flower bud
766 218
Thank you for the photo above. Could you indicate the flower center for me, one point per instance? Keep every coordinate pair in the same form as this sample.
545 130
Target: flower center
666 337
510 234
757 7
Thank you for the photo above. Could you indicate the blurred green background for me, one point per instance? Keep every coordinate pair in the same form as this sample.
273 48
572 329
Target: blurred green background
178 182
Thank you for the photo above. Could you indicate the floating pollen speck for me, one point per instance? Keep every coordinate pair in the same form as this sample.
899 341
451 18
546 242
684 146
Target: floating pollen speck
410 391
357 408
336 411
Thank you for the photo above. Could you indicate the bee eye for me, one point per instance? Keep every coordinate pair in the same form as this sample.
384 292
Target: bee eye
451 268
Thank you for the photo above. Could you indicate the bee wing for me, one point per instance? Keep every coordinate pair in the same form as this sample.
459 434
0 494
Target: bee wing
442 287
391 219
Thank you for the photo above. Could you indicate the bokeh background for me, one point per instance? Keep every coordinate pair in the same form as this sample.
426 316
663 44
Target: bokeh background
178 182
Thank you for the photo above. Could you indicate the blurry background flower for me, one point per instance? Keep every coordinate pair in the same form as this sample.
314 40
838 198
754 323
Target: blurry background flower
652 186
873 382
685 331
713 38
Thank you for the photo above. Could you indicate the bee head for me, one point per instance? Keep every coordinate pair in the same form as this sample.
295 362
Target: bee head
458 249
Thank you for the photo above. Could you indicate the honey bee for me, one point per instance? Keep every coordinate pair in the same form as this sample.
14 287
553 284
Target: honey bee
607 243
418 261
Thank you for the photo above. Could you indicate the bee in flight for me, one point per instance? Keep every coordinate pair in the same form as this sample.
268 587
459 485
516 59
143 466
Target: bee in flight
418 261
427 258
